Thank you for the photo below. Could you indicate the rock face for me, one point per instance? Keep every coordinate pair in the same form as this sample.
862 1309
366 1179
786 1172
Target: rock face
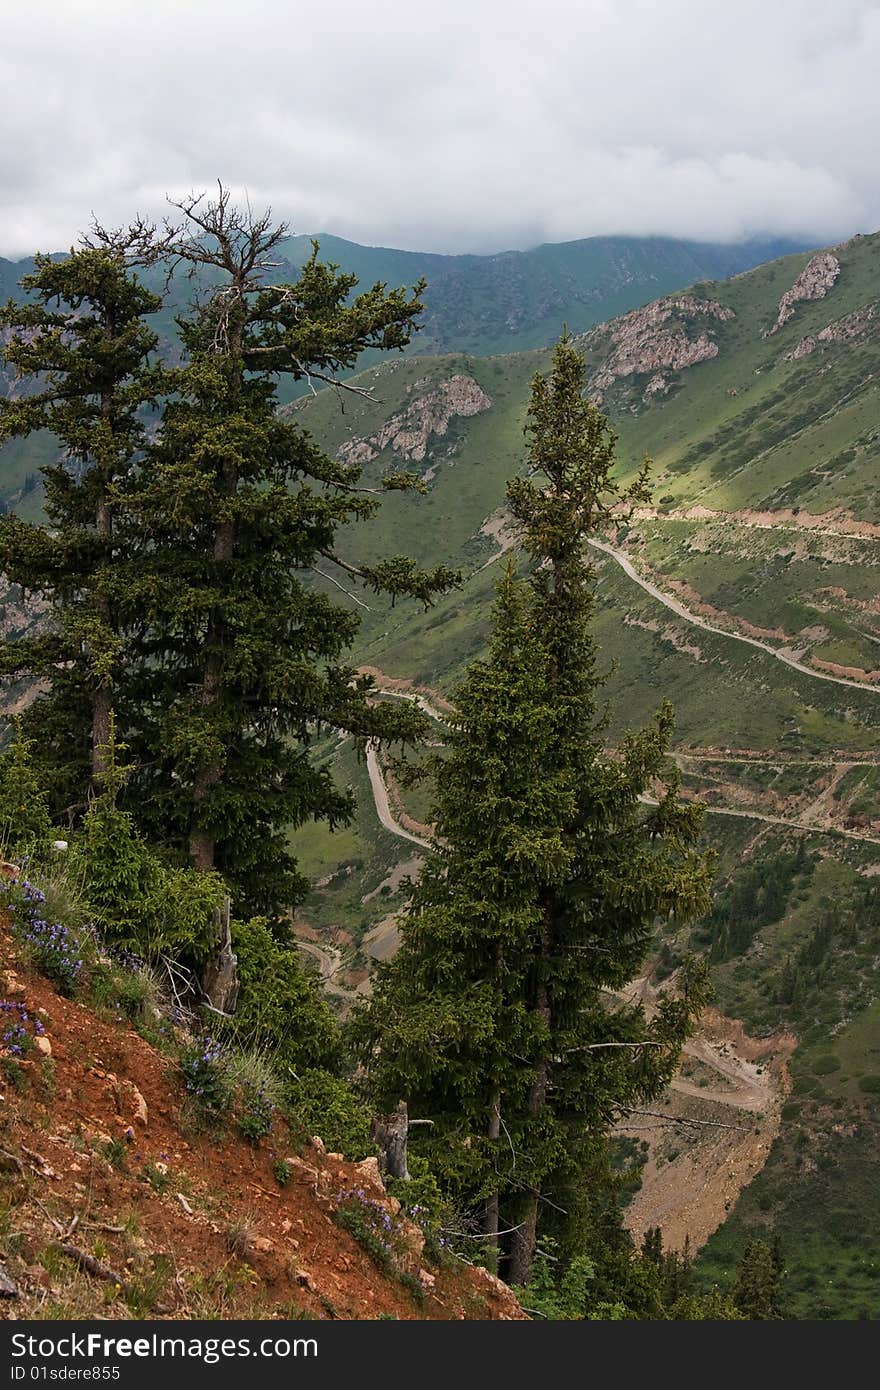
657 339
409 432
847 329
814 282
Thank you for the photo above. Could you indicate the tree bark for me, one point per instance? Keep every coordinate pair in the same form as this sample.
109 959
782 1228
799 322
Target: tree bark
391 1132
491 1209
220 980
102 699
523 1238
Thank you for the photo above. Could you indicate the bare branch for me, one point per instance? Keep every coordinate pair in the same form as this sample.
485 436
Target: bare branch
354 597
343 564
680 1120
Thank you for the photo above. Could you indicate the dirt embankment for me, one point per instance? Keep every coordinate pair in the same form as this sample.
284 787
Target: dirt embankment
838 522
97 1153
428 699
712 1131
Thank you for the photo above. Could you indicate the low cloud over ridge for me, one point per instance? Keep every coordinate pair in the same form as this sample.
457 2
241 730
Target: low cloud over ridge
457 127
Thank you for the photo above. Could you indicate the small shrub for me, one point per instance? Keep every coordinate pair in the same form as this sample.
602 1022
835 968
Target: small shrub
14 1073
824 1066
205 1076
115 1153
870 1085
255 1119
378 1233
371 1226
239 1237
17 1028
281 1009
281 1172
411 1283
24 819
138 901
255 1091
557 1291
422 1201
54 949
137 992
49 1078
157 1175
325 1105
125 983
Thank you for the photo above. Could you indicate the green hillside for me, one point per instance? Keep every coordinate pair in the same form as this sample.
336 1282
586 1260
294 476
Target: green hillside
516 300
767 461
748 594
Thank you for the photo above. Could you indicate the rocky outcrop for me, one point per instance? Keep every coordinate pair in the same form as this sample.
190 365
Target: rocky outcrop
815 280
21 614
659 339
848 329
409 432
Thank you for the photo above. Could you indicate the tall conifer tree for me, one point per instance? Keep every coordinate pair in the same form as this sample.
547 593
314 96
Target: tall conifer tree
233 510
499 1017
86 358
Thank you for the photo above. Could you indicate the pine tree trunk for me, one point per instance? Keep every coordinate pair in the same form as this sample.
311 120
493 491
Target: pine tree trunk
522 1245
102 709
490 1212
102 699
491 1209
201 843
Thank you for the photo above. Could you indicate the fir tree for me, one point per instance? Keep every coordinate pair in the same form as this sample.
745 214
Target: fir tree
85 355
236 505
24 816
499 1017
757 1294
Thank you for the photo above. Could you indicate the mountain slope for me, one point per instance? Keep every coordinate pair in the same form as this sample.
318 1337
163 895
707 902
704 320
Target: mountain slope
516 300
481 304
749 594
117 1200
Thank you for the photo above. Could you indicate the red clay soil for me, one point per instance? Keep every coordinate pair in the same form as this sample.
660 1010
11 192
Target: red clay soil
222 1239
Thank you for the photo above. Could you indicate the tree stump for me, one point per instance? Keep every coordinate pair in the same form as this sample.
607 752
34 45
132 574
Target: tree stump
220 982
390 1133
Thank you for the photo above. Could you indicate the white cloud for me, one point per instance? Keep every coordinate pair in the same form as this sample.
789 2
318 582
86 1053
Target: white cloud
462 126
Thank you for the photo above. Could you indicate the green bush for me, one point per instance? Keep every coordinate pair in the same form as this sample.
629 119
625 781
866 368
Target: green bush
25 826
824 1066
423 1202
327 1106
129 986
137 900
255 1090
870 1085
206 1077
281 1011
61 954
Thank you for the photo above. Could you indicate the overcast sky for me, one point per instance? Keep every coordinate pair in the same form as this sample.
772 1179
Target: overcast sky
456 125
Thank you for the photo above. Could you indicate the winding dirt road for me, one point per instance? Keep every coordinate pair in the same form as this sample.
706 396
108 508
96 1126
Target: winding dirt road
677 607
380 797
744 813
